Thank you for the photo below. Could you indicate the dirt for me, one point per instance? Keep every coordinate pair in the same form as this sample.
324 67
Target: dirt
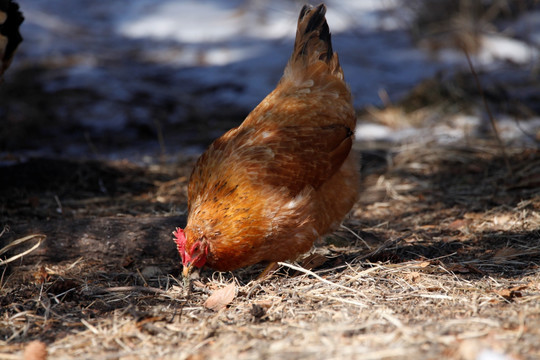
439 258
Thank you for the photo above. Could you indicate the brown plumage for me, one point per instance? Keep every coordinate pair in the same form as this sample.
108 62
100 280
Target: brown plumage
266 190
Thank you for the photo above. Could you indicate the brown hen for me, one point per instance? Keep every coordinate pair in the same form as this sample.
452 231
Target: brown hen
266 190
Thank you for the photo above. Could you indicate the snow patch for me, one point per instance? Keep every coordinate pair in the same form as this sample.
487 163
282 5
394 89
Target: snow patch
496 47
203 57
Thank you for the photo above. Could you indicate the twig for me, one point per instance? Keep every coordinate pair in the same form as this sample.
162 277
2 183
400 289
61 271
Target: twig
40 237
384 246
357 236
90 327
142 277
161 139
311 273
5 229
148 289
59 208
490 114
6 356
2 278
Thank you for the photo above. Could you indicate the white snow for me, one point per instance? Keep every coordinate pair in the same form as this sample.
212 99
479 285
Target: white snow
496 47
184 21
488 354
236 48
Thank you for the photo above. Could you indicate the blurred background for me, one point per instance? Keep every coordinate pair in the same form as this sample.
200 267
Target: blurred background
150 79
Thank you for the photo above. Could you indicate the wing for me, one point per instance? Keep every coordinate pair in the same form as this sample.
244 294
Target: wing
295 156
287 157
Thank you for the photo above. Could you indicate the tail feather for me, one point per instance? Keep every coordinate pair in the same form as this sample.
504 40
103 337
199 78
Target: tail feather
313 35
313 43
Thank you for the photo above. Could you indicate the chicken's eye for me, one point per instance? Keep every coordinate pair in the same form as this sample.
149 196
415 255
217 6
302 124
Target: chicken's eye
196 250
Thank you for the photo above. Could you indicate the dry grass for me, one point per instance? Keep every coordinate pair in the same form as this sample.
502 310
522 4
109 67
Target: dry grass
438 260
439 24
417 309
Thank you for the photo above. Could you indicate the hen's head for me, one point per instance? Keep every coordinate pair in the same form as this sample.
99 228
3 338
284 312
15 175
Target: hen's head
192 254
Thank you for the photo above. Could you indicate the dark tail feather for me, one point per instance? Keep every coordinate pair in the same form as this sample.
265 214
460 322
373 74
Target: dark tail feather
313 40
313 43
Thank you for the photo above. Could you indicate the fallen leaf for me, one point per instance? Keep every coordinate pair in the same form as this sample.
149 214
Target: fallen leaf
221 298
509 294
35 350
458 224
520 287
41 275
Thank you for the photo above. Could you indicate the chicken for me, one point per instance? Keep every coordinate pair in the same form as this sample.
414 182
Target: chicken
266 190
10 20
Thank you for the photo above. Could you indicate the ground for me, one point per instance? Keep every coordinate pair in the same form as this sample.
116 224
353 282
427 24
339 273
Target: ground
439 258
104 117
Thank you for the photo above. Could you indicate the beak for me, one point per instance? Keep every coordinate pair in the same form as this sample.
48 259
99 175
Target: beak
187 271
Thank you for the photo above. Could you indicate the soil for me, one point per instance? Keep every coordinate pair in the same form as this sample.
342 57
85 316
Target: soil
439 258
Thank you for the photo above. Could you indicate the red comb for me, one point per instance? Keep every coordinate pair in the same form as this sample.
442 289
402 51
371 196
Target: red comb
180 240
